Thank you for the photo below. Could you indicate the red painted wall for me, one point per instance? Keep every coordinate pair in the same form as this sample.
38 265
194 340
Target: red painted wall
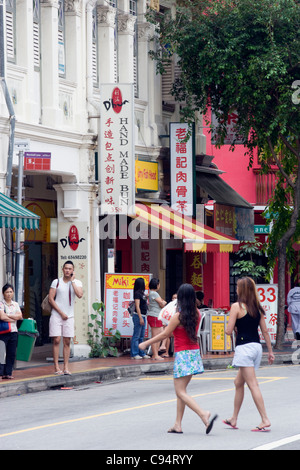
235 166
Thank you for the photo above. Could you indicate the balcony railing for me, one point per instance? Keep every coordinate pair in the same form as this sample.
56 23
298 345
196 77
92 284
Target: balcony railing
265 186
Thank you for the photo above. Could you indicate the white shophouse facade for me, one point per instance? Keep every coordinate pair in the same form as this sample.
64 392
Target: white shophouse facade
57 54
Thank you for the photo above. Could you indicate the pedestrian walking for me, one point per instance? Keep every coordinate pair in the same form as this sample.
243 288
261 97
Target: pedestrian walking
156 303
62 295
164 348
293 301
184 325
246 315
139 319
9 312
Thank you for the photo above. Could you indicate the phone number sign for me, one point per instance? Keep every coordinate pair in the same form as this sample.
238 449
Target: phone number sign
268 297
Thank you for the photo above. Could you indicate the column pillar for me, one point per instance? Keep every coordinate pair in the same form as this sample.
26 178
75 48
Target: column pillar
76 241
126 24
51 115
106 41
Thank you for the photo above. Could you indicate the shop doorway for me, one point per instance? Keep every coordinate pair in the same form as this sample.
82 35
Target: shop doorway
174 272
40 269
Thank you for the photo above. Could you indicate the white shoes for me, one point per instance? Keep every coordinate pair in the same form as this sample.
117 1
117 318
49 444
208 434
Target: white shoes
141 357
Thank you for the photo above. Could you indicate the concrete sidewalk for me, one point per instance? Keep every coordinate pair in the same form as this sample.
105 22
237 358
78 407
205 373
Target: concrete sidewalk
37 375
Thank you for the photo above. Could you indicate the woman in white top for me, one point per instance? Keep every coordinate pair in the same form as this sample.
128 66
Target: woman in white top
156 303
9 312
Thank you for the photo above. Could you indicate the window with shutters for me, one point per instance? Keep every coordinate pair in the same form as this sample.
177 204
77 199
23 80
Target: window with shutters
172 72
36 33
10 21
95 49
61 39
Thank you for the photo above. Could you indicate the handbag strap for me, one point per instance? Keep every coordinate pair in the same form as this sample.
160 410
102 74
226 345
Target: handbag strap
70 297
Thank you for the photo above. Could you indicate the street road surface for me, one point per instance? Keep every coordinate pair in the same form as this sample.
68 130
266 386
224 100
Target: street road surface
135 414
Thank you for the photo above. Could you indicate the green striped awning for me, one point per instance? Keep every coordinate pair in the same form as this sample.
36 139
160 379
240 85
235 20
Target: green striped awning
13 215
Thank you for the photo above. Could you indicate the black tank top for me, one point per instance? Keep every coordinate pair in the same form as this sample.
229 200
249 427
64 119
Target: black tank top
247 328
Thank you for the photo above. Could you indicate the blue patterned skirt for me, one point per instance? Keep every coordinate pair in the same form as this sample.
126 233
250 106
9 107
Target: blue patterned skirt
187 362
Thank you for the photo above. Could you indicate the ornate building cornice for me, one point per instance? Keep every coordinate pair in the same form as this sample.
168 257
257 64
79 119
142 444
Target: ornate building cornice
106 15
126 24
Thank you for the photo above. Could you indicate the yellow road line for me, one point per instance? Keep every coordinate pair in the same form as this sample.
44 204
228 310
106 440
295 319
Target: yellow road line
108 413
269 379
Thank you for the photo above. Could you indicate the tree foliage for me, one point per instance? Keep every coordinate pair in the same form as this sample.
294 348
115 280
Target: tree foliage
244 56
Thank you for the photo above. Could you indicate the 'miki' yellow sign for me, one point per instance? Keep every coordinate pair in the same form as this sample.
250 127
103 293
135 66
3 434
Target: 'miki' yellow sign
146 175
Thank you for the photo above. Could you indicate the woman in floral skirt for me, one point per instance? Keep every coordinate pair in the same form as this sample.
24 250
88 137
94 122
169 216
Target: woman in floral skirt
184 326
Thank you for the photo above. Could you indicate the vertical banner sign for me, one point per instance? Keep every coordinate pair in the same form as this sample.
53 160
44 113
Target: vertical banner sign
118 294
73 245
116 149
194 269
268 297
182 175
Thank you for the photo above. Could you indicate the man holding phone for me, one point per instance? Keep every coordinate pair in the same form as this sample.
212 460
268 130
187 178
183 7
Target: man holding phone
62 295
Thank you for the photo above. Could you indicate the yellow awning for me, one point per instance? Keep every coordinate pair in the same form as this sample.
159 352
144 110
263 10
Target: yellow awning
196 236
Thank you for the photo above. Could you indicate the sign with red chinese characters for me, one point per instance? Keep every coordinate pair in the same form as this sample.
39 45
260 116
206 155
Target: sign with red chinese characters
118 294
268 297
182 175
116 149
231 134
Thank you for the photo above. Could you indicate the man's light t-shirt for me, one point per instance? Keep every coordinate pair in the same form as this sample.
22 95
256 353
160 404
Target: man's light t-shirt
65 292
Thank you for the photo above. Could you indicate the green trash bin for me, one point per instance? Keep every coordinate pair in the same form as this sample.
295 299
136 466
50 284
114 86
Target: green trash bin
26 339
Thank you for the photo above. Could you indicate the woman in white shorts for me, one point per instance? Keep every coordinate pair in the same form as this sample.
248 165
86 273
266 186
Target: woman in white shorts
246 315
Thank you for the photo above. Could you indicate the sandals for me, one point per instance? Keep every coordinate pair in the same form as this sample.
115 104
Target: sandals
7 377
60 372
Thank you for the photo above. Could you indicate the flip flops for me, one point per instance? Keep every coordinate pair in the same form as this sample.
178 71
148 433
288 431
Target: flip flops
210 424
258 429
173 431
225 421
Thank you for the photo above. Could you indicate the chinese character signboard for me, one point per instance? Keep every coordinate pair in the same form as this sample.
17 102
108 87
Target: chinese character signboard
116 149
225 220
219 341
194 270
182 175
232 136
237 222
268 297
118 294
144 262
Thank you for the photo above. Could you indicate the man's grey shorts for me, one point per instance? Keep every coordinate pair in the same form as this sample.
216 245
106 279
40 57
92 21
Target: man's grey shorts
248 355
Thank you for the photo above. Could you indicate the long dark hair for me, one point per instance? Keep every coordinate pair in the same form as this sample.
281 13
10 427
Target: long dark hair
139 285
188 313
247 294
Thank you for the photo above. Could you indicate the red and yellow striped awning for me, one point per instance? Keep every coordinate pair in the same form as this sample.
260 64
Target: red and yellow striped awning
196 236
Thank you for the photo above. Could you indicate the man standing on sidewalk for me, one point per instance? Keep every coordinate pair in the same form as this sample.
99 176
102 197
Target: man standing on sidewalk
62 298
